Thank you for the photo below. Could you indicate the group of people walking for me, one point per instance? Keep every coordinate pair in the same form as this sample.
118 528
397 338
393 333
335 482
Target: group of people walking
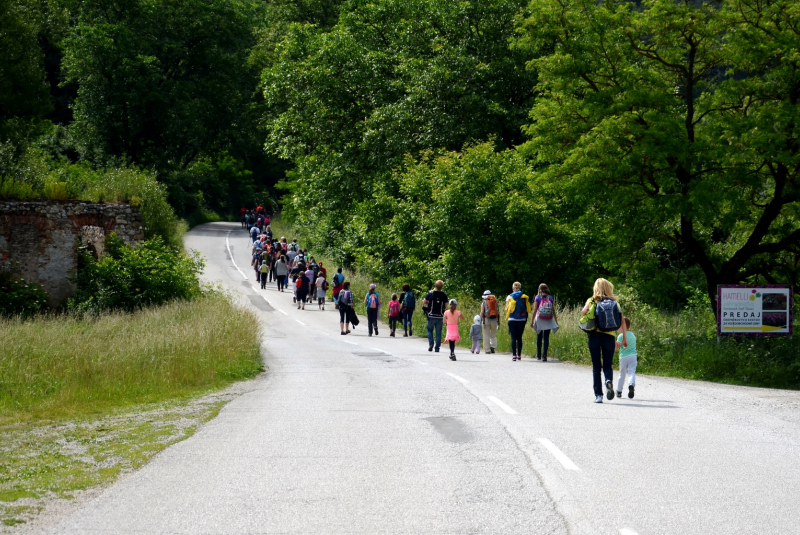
279 261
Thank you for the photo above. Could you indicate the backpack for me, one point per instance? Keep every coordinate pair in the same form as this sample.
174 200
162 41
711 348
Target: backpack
409 301
545 308
491 306
324 285
607 315
438 304
520 308
344 297
372 299
299 283
394 308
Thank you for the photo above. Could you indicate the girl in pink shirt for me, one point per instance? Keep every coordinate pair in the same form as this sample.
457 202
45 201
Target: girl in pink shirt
451 319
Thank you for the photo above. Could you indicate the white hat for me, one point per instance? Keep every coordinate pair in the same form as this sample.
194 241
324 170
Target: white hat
487 292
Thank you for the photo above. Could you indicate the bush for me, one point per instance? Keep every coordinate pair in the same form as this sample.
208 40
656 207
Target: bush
20 297
131 277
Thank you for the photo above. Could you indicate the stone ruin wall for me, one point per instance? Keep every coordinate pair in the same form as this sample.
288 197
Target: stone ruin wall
40 239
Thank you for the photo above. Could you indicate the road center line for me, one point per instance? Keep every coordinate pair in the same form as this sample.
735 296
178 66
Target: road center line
230 253
300 322
568 464
379 350
351 343
281 311
502 405
627 531
459 379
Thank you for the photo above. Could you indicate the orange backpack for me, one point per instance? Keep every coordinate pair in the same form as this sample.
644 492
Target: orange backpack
491 305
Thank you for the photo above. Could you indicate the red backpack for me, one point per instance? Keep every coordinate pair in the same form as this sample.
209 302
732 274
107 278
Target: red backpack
394 308
545 311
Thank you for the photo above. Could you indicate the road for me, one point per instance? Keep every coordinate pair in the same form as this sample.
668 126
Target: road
377 435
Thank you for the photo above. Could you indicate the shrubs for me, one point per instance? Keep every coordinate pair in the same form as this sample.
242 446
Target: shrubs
20 297
131 277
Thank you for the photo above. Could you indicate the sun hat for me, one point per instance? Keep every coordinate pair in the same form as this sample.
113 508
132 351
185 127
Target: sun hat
476 319
371 286
487 292
453 302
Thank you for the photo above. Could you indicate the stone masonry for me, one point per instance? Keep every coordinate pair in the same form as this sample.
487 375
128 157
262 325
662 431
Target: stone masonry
39 239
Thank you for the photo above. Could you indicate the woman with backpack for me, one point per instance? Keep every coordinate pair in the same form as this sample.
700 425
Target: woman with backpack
518 308
373 303
303 287
603 309
408 303
322 290
345 306
281 271
544 320
490 321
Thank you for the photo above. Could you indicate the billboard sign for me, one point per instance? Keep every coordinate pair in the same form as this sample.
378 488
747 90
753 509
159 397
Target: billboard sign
754 310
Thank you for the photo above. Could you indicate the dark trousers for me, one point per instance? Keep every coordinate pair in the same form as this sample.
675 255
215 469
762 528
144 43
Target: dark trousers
372 319
452 346
601 347
263 280
393 322
406 315
542 337
281 282
516 329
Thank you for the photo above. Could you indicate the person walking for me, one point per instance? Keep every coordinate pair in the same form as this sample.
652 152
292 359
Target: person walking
518 308
338 282
345 305
451 319
605 311
322 289
408 303
490 321
281 271
545 320
434 307
303 287
394 314
627 360
476 335
264 271
373 303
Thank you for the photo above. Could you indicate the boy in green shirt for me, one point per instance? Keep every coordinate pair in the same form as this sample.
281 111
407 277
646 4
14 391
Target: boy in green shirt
627 360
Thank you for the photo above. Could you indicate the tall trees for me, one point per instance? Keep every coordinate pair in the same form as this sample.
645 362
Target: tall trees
677 122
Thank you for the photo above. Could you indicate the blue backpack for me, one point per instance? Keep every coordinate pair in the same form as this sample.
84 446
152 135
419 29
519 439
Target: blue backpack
607 315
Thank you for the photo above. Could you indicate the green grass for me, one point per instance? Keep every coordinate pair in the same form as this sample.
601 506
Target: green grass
85 399
56 366
670 343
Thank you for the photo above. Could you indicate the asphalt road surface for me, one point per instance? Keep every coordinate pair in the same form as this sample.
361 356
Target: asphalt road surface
377 435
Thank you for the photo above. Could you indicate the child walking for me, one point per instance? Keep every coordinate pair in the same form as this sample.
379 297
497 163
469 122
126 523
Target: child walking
451 319
394 313
476 333
627 360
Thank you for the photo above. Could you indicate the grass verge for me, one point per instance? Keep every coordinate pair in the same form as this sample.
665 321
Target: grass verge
83 400
670 343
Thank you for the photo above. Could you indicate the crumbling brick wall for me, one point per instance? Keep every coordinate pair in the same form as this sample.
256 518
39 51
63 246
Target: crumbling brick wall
40 239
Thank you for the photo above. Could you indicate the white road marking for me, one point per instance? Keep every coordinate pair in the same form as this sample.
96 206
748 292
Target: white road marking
457 378
379 350
326 334
281 311
627 531
228 245
567 463
300 322
502 405
351 343
419 362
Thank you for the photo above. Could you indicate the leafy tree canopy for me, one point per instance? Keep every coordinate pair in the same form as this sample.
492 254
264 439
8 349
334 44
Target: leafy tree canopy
677 123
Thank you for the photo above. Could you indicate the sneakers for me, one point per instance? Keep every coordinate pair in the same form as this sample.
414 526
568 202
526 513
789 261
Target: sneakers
376 331
472 351
619 394
598 399
514 358
610 393
544 359
430 347
538 357
452 356
491 350
343 333
630 391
